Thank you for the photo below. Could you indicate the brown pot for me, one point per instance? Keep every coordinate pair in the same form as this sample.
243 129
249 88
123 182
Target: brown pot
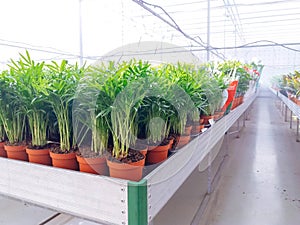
2 151
183 140
93 165
65 161
201 121
16 152
40 156
188 130
197 129
132 171
157 154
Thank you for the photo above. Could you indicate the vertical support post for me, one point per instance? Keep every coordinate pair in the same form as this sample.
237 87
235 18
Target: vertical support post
209 175
137 203
244 118
285 113
80 34
291 119
208 31
238 128
298 140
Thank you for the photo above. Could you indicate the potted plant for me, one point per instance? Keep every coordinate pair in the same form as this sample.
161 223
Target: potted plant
63 80
126 88
32 86
12 115
91 121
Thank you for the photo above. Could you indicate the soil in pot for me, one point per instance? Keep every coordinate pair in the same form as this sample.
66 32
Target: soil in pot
65 160
16 151
129 167
142 148
158 152
91 162
2 151
40 155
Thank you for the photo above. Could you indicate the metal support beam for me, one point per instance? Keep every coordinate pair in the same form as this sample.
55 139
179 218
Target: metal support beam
298 139
208 31
285 113
291 119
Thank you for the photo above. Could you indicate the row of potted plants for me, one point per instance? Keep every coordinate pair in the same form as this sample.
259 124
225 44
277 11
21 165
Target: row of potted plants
110 117
289 85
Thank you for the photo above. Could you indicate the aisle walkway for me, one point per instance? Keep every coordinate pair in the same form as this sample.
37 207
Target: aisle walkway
261 183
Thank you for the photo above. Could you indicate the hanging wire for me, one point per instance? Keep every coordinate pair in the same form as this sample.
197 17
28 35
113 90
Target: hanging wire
175 25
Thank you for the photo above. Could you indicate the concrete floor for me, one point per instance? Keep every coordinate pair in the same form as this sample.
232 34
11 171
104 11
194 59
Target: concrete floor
261 182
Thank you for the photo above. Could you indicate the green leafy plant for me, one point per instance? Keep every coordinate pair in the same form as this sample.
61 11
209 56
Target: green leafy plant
63 80
12 112
32 87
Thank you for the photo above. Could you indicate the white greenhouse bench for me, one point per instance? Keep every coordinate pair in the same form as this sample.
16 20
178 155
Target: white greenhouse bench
286 104
109 200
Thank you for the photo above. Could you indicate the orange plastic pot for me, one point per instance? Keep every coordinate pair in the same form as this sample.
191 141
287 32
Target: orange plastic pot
128 171
93 165
65 161
183 140
2 151
197 129
40 156
187 130
157 154
16 152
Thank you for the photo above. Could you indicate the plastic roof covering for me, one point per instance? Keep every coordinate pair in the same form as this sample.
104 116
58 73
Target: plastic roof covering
268 29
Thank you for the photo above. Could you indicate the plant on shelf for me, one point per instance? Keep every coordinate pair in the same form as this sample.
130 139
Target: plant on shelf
12 115
63 80
32 87
214 98
126 88
91 119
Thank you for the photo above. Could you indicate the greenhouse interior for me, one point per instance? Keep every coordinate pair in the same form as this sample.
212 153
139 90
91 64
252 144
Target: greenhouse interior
147 112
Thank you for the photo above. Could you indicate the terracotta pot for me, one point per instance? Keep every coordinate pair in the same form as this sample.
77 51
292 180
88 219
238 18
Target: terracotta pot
218 115
2 151
201 121
187 130
197 129
234 103
65 161
40 156
157 154
16 152
93 165
183 140
206 118
132 171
